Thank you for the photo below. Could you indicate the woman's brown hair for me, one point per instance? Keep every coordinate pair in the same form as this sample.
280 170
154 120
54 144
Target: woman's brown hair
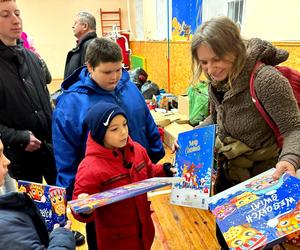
224 38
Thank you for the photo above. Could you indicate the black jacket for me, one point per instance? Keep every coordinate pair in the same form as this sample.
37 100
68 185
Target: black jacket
22 227
24 97
24 107
76 56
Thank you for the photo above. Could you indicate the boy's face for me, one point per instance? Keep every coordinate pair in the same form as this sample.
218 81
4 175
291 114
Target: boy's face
4 162
10 23
106 75
117 133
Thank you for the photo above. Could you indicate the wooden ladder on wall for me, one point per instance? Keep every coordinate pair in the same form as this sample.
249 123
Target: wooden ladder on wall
110 19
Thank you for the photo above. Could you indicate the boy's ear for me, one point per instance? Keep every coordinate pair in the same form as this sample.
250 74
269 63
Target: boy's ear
90 67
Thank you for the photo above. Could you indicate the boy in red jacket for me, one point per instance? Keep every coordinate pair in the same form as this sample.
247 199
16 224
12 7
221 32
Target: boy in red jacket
112 159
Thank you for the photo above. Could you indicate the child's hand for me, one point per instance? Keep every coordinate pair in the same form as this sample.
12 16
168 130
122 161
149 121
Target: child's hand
84 195
169 169
173 170
175 146
67 226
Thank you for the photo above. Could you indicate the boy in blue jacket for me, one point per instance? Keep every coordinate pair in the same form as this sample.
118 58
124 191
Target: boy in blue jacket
102 79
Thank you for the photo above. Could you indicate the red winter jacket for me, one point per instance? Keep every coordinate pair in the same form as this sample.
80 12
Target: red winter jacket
125 224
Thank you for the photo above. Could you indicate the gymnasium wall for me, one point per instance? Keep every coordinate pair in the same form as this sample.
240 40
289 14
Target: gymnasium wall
180 62
49 23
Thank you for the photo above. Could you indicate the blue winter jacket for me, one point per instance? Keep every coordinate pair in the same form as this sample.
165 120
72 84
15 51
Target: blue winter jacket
69 135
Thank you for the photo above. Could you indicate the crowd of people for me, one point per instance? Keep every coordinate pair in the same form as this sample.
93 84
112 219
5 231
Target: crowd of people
101 134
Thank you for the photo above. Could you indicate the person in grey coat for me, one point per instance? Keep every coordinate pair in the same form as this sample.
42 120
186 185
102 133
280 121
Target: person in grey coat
21 224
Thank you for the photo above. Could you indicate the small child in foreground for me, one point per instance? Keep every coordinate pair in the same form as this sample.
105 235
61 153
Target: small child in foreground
112 159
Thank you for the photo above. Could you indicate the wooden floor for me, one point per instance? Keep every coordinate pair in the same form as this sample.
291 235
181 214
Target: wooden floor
176 227
181 227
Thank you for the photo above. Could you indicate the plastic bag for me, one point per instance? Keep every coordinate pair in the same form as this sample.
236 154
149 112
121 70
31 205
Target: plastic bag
149 89
198 102
138 76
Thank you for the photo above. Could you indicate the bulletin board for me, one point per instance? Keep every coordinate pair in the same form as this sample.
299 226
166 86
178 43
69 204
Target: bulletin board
186 17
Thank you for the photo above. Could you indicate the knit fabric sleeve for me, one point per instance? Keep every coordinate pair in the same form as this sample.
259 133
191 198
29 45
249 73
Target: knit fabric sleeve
276 96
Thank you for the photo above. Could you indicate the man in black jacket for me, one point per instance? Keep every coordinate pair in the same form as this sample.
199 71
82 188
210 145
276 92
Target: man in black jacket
25 110
84 29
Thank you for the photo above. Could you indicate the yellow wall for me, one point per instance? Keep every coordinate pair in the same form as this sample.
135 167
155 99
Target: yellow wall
156 54
294 49
180 62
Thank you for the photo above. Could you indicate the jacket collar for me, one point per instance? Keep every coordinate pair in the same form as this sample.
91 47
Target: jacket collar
86 37
14 200
80 81
12 53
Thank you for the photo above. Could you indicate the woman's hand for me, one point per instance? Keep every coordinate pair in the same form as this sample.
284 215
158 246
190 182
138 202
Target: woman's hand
175 146
284 167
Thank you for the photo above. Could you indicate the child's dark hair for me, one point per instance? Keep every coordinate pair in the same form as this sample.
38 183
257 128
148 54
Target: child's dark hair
103 50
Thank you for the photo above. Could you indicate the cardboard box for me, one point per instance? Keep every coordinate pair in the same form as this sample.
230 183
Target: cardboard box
162 123
173 117
183 119
183 105
172 131
159 119
176 117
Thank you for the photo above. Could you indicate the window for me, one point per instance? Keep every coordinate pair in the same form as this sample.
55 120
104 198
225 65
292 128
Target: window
235 11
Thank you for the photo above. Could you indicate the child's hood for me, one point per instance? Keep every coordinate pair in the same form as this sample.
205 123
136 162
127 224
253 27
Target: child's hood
80 81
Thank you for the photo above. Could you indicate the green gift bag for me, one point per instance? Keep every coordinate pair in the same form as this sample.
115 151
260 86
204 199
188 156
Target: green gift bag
198 102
